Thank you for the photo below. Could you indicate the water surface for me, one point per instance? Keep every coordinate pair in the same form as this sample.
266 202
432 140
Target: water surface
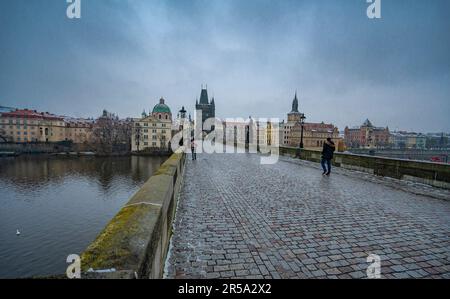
60 204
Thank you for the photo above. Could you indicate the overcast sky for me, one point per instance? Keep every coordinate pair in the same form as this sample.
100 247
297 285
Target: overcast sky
123 55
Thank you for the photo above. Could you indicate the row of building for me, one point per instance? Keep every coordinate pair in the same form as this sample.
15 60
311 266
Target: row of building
154 131
370 136
24 125
314 134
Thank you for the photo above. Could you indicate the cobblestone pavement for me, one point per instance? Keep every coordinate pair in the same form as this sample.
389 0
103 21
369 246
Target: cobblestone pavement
239 219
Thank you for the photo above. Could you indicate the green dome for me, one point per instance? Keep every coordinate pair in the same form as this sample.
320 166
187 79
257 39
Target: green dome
161 107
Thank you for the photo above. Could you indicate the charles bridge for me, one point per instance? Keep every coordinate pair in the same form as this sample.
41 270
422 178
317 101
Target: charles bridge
228 216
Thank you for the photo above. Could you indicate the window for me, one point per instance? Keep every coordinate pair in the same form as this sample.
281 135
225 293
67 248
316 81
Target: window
154 143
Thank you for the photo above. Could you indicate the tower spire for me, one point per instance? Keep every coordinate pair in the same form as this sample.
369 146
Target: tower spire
295 103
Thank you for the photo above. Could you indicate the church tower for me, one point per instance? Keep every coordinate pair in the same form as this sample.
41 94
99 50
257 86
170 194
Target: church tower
208 108
294 115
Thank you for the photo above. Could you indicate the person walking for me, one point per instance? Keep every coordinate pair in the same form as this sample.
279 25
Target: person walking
193 149
327 155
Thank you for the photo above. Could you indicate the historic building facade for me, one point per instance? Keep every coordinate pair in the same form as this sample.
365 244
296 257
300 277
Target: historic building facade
293 118
314 134
78 130
250 132
23 126
367 135
207 108
407 140
153 132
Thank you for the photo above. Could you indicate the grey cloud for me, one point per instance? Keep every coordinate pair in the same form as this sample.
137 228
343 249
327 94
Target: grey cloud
124 54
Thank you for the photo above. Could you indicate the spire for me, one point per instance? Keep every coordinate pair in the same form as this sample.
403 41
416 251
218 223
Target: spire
295 104
204 97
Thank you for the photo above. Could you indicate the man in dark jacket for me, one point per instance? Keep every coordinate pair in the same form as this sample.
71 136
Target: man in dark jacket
327 156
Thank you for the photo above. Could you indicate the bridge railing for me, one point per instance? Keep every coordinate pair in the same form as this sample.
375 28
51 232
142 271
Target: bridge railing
434 174
136 241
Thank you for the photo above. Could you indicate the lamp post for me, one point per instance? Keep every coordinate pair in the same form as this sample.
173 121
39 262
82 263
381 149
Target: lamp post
302 123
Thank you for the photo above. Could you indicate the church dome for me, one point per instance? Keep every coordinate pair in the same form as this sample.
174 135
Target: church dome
161 107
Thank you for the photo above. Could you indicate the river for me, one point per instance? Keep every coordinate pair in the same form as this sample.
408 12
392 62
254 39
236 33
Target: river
59 205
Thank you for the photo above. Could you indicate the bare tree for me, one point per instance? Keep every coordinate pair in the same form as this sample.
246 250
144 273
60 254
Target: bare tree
110 134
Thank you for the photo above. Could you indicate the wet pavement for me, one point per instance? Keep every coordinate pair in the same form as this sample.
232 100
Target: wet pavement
239 219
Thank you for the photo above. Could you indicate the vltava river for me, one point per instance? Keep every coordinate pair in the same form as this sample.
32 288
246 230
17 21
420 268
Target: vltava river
59 205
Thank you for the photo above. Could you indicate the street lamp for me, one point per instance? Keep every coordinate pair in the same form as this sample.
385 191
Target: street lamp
302 123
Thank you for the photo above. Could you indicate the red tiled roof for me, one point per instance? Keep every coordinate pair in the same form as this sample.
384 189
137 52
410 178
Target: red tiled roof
25 113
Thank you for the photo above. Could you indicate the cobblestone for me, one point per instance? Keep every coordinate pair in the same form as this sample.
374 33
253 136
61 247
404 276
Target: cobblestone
237 218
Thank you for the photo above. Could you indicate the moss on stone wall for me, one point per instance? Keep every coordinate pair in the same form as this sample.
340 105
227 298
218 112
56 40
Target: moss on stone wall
126 241
111 248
